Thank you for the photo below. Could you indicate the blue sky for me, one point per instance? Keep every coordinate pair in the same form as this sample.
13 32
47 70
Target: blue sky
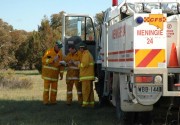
27 14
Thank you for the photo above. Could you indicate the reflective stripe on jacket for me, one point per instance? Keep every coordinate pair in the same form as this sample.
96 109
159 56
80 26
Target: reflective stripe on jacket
50 69
72 69
86 66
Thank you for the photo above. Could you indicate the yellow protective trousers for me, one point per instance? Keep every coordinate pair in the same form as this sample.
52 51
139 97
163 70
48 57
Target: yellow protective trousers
88 93
70 84
50 88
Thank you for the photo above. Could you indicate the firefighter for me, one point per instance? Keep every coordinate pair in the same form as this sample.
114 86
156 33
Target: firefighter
86 76
51 71
72 77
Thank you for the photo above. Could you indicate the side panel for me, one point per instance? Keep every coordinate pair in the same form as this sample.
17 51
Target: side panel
116 43
120 44
172 88
129 44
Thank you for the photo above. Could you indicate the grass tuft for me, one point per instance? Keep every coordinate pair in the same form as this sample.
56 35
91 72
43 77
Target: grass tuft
9 80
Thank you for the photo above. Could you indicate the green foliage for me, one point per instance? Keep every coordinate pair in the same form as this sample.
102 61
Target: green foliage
99 18
5 43
56 20
23 50
20 55
9 42
98 22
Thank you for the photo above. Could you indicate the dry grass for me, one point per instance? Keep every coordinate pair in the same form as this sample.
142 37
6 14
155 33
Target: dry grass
8 80
24 106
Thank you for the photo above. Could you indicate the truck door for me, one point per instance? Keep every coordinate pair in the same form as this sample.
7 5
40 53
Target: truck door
77 28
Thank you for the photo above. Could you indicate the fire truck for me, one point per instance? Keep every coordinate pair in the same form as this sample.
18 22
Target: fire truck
136 50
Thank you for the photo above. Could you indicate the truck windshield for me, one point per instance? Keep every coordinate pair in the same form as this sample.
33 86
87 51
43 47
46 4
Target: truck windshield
79 26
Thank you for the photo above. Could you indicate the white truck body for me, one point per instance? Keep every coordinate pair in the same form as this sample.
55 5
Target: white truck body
139 46
135 50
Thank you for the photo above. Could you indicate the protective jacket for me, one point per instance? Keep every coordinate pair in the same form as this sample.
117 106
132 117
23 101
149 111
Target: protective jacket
72 69
51 69
86 66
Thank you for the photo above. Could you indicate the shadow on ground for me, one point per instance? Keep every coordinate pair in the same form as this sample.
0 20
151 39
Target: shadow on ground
35 113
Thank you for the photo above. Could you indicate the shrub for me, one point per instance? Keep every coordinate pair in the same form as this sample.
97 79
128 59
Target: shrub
9 80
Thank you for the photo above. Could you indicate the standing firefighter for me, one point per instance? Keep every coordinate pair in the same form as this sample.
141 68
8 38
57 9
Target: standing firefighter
72 77
86 76
51 71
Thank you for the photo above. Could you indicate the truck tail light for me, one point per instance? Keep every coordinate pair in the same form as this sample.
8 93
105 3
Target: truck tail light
144 79
114 2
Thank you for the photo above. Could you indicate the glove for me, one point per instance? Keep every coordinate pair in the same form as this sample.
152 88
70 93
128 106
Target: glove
63 63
